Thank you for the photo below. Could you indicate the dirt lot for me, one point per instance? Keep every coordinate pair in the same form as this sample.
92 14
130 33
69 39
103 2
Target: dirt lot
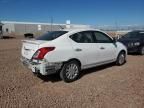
103 87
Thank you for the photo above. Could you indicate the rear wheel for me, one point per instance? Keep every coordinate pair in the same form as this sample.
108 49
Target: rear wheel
142 50
70 71
121 59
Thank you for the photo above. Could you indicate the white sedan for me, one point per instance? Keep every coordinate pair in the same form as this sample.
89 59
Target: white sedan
70 51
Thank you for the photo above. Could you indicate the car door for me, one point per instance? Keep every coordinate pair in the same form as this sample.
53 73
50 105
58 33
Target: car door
107 48
84 48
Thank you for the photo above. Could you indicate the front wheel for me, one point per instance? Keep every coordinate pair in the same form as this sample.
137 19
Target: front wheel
70 71
121 59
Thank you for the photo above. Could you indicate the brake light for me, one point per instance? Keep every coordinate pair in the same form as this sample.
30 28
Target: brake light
40 53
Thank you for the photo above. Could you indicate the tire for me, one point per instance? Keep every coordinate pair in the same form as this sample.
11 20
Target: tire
70 71
121 59
142 50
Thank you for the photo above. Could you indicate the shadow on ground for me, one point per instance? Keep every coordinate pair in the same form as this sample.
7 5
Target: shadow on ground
96 69
134 54
55 77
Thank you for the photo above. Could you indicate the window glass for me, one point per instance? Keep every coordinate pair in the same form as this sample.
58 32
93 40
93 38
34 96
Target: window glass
7 30
51 35
130 35
83 37
102 38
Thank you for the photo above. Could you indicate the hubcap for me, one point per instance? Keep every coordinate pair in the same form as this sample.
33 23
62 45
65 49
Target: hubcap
121 59
72 71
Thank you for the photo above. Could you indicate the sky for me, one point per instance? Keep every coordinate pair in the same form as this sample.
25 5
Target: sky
91 12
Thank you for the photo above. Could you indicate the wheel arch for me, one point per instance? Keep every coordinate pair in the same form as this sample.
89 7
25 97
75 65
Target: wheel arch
73 59
124 51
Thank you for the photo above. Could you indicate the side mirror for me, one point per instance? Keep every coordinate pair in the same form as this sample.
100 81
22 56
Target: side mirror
115 39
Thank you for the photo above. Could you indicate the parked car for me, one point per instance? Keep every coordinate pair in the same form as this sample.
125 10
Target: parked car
70 51
134 41
29 35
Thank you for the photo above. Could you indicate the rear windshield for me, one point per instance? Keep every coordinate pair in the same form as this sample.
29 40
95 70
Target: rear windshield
130 35
51 35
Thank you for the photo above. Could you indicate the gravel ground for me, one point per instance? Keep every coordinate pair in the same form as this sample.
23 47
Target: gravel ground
102 87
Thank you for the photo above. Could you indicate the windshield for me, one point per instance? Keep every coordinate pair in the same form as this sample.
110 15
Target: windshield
51 35
130 35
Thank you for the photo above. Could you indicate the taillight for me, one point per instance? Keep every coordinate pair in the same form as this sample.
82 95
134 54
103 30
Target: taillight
40 53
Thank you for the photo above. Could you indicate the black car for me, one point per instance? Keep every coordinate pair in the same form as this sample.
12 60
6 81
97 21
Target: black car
29 35
134 41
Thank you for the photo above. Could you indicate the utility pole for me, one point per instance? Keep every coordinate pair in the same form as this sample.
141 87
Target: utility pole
51 23
116 25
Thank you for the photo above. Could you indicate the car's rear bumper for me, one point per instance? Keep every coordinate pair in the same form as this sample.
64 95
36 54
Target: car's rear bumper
43 68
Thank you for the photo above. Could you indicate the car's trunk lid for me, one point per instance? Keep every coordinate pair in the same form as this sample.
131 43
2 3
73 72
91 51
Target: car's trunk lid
29 47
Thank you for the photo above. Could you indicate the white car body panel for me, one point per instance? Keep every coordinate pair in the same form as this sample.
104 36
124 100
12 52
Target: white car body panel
89 54
29 47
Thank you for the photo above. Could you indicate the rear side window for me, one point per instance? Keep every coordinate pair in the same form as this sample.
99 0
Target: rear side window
51 35
83 37
102 38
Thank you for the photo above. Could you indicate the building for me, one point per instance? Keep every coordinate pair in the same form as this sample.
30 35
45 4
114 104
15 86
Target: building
20 28
1 24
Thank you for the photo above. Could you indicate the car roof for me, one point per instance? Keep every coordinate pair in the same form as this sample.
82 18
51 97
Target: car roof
78 30
137 31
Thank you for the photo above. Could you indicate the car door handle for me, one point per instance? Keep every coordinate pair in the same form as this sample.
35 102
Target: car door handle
102 48
78 49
